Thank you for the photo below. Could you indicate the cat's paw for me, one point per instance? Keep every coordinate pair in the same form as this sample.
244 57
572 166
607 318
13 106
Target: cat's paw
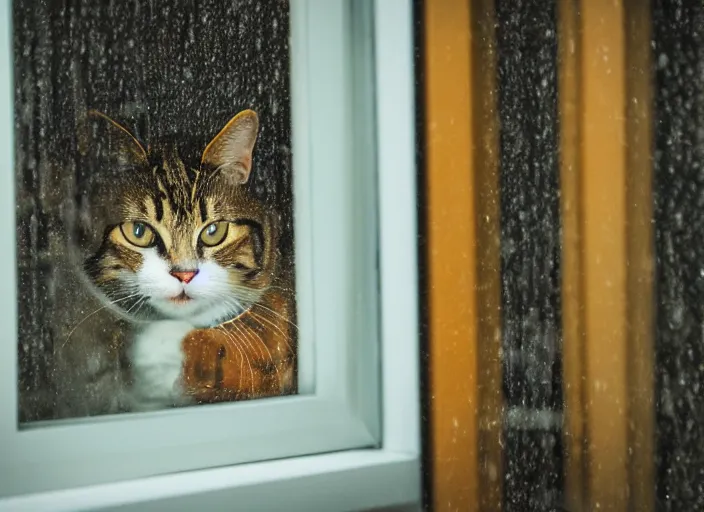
205 350
157 359
221 367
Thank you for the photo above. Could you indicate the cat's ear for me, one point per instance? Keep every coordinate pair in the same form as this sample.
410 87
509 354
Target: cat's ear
230 152
106 140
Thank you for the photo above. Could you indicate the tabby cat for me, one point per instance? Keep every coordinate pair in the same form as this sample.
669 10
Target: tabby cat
189 257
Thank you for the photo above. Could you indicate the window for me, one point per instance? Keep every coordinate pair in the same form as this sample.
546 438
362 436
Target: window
351 191
121 174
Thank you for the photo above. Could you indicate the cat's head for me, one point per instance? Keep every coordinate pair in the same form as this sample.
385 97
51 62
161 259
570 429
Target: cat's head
179 241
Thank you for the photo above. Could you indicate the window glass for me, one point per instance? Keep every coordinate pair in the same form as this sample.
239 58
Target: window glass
154 205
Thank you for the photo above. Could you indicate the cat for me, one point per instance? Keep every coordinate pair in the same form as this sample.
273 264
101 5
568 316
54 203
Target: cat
188 257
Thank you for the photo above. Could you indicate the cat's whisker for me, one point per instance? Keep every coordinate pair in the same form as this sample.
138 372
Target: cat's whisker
277 314
244 290
261 317
236 306
233 316
249 363
251 369
143 302
243 355
240 307
247 339
219 294
249 330
272 287
138 301
89 315
246 295
244 339
257 337
232 343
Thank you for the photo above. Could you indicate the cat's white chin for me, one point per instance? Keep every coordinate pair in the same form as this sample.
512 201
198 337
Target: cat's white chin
198 312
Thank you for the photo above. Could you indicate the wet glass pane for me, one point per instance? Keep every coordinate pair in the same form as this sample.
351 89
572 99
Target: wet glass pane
154 208
526 38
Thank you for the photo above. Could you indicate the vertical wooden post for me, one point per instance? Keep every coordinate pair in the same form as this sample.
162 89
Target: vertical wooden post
569 46
640 254
603 160
463 254
452 263
487 217
607 254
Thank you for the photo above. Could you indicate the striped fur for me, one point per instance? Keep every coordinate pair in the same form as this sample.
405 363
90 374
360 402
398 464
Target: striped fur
157 265
178 202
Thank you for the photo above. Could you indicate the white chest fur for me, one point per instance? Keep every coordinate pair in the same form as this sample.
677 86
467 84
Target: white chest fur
157 361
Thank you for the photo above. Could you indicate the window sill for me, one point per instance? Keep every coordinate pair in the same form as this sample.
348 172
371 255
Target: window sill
354 480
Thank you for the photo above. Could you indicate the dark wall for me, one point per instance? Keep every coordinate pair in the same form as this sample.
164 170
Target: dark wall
678 55
526 35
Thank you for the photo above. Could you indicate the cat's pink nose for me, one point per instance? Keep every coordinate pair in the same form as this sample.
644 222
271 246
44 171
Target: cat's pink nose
185 276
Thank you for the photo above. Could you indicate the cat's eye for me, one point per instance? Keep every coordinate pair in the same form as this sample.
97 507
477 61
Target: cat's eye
138 233
214 233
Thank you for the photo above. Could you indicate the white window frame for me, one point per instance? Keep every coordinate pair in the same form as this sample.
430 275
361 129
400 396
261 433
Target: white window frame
372 446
